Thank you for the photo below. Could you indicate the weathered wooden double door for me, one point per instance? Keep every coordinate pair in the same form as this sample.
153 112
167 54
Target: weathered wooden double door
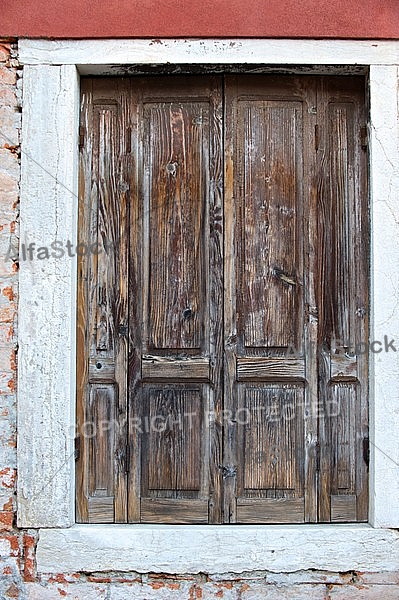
223 300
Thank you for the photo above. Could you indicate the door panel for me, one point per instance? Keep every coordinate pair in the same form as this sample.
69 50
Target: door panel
221 323
175 291
269 152
269 165
177 158
343 301
102 348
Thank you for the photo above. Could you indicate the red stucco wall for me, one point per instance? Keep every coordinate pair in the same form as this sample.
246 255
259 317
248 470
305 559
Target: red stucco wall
200 18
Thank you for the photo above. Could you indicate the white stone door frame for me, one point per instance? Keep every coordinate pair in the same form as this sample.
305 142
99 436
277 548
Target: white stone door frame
47 318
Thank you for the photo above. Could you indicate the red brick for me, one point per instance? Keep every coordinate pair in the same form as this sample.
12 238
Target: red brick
8 506
8 292
10 122
13 544
7 386
12 591
7 303
7 95
6 520
7 478
6 334
195 593
96 579
6 359
4 52
127 579
157 585
4 56
7 313
58 578
29 544
7 76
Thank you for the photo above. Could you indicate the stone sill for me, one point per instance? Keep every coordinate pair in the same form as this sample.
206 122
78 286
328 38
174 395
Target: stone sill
183 549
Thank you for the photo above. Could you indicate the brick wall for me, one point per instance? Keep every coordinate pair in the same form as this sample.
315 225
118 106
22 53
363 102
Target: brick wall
18 577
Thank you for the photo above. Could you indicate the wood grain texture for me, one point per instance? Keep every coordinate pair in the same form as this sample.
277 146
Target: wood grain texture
253 368
266 152
272 457
178 161
161 367
221 335
270 511
174 511
269 155
343 509
101 509
102 300
175 302
343 298
174 440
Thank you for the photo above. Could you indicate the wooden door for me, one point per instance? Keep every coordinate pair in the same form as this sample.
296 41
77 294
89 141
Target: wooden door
219 318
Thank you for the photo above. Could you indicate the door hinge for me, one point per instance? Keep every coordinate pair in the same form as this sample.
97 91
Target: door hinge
82 132
228 471
316 137
128 140
127 458
366 450
123 330
317 456
364 138
77 447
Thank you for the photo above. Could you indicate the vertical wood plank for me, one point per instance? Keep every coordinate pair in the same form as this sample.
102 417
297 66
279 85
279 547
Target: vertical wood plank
269 150
215 261
230 325
270 155
174 439
175 296
178 163
103 291
343 295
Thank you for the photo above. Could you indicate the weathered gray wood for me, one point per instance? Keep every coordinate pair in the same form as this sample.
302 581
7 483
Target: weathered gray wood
101 369
163 367
343 367
101 509
295 283
254 368
268 148
154 510
173 442
343 508
175 296
102 300
312 309
282 510
343 298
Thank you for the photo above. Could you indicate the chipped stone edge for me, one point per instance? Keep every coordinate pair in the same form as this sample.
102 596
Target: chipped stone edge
217 549
197 51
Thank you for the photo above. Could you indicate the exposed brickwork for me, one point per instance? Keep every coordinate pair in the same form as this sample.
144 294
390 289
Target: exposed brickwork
10 539
18 577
